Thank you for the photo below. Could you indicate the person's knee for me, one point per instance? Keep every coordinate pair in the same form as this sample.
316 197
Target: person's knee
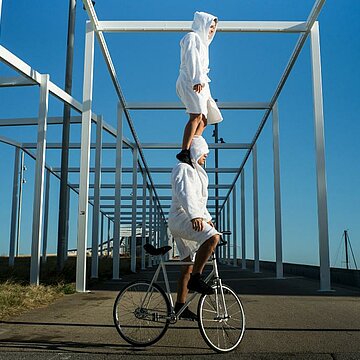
213 241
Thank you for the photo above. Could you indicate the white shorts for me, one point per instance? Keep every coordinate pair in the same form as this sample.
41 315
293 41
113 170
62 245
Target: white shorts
187 239
195 103
198 103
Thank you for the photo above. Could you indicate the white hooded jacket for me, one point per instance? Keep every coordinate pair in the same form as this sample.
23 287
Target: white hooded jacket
194 65
190 185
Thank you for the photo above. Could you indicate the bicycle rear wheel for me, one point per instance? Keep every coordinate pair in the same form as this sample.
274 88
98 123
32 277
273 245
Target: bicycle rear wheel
141 313
221 325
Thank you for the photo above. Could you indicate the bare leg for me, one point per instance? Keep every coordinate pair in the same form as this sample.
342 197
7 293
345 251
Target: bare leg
201 126
204 252
190 129
183 281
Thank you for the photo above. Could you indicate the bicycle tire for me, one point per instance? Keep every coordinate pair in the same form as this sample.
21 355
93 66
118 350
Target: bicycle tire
141 325
221 334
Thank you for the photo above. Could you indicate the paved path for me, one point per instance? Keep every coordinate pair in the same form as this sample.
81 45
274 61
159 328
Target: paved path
286 319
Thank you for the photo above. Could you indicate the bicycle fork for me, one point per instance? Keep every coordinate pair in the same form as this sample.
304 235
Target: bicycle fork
221 309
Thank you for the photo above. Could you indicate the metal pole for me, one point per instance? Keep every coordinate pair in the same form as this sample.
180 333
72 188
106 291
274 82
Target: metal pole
85 160
118 178
96 208
39 182
102 235
46 217
346 250
63 201
228 228
143 233
234 227
156 227
219 227
14 205
224 224
243 224
108 238
150 223
277 192
66 247
134 196
256 211
0 9
216 134
325 284
18 230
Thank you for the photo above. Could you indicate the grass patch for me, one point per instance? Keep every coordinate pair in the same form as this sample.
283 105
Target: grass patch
16 298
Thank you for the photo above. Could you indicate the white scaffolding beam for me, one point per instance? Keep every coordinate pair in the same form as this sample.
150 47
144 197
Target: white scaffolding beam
185 26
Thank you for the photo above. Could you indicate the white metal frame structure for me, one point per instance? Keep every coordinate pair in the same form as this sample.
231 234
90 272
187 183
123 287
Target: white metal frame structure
154 217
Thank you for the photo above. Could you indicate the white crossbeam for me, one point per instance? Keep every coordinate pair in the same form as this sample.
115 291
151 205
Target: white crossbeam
185 26
180 106
154 146
15 81
154 170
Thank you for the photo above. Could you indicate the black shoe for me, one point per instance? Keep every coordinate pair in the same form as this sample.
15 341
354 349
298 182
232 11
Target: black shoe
197 284
187 314
184 156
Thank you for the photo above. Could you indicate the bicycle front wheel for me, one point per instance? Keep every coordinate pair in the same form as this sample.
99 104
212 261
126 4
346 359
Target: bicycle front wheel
221 319
141 313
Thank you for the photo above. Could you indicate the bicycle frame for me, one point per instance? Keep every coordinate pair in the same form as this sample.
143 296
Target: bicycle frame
214 274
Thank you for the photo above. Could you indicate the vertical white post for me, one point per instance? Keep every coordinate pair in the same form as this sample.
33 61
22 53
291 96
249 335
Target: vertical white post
39 181
0 10
325 284
108 237
277 192
224 228
143 233
66 247
133 223
228 228
96 210
150 222
256 211
14 205
18 225
46 217
102 235
118 179
234 227
156 228
243 224
219 227
85 160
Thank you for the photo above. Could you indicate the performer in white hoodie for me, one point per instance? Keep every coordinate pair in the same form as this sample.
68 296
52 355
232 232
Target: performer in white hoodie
190 222
192 85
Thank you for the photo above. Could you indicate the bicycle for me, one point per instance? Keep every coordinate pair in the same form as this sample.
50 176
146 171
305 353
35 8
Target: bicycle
143 311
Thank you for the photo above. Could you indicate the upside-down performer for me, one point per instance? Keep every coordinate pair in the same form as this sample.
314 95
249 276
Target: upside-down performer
190 223
192 85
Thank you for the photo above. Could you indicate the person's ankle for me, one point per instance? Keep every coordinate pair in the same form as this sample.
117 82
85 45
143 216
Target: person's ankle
178 305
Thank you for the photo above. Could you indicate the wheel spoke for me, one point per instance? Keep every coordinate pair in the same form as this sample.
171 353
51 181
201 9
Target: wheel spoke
222 334
140 328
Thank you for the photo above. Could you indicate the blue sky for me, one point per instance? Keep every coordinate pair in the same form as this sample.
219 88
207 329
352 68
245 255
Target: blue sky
244 67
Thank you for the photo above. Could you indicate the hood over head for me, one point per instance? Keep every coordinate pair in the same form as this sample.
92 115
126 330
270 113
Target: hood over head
201 26
198 148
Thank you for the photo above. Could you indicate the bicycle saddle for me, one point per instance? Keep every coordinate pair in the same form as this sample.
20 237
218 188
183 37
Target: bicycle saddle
152 250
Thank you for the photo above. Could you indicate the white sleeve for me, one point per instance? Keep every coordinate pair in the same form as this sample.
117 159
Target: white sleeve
192 60
183 186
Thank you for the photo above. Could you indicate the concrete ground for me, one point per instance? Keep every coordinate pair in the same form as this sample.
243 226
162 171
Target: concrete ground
285 319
